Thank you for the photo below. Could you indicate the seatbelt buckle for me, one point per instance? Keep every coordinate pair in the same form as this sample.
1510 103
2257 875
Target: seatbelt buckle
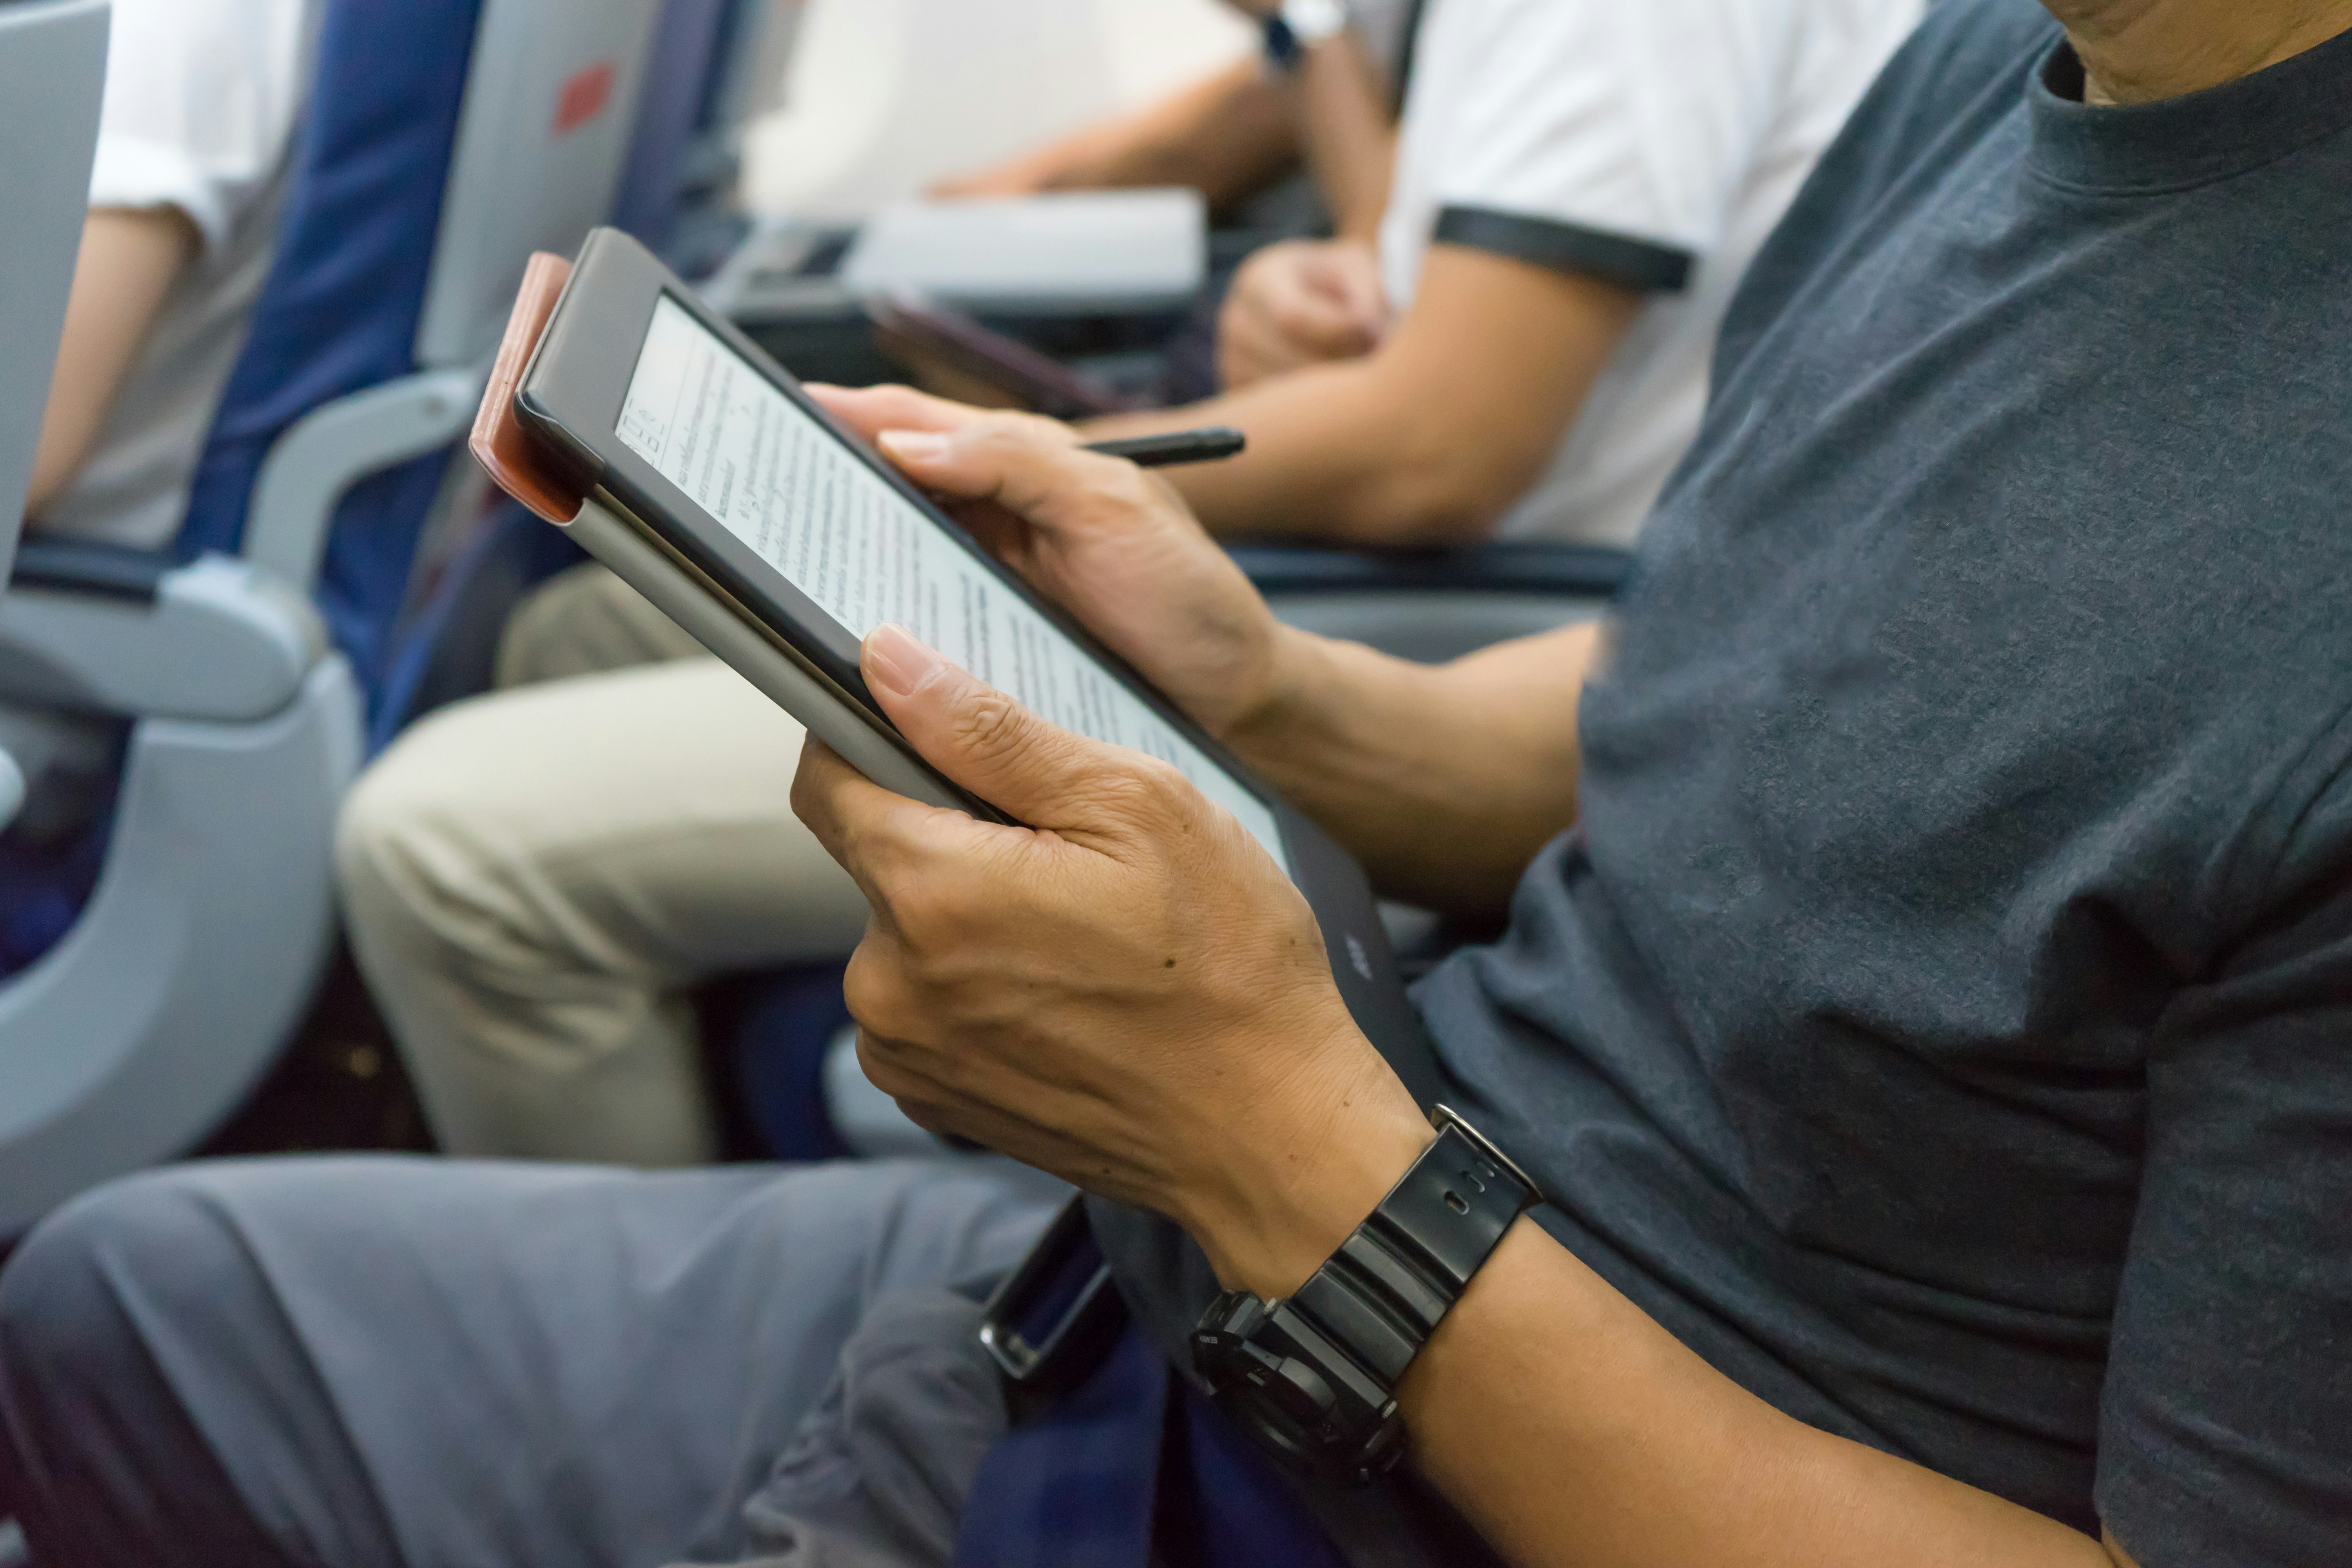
1051 1321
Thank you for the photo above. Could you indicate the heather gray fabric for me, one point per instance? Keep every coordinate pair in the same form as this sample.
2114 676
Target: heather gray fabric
1943 1019
380 1363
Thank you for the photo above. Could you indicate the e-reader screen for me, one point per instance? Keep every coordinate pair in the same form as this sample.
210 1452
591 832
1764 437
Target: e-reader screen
787 487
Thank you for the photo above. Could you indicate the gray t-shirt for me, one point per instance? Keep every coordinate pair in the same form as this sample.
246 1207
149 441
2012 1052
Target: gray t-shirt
1942 1019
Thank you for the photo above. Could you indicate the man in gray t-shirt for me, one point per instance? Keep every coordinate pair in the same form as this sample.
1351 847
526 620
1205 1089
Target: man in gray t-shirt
1932 1033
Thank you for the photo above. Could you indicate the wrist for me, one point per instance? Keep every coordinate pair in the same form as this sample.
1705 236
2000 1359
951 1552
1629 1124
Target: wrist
1297 672
1306 1177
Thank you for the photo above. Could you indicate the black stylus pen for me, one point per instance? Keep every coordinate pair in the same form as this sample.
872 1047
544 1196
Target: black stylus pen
1204 446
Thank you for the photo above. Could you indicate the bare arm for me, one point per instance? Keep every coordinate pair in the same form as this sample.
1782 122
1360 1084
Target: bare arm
1570 1428
1429 439
1229 135
128 261
1443 781
1341 104
1225 136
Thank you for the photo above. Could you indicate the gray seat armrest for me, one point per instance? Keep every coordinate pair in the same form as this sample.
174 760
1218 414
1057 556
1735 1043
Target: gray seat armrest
337 445
90 566
1561 571
218 639
1433 605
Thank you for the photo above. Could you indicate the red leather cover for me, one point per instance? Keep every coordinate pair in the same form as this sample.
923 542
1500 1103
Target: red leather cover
500 444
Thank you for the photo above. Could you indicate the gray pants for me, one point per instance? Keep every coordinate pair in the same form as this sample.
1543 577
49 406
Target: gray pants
379 1362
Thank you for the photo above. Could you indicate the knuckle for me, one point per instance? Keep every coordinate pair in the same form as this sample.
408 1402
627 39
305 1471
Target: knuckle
1006 432
922 917
992 727
882 1066
884 1010
1140 789
935 916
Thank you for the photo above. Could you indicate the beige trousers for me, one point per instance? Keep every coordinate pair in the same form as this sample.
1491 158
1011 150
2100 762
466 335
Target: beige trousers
536 879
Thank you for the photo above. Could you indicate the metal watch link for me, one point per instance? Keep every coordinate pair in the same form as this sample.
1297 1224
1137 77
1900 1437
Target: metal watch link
1313 1376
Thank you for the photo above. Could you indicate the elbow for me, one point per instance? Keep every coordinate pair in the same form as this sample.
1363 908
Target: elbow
54 468
1438 495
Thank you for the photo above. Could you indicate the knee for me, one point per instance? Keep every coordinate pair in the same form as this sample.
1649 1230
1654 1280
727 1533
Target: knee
543 637
400 848
79 1295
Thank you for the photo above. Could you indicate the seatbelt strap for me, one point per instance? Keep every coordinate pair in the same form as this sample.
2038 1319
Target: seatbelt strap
1075 1487
1110 1438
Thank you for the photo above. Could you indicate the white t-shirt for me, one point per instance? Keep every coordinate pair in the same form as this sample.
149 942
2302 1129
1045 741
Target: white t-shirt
1381 24
201 100
1654 144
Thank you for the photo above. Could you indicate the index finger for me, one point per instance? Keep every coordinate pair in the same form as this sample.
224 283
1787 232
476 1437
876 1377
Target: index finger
867 830
870 410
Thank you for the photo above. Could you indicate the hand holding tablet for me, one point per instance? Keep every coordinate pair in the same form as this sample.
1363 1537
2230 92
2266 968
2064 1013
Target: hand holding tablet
697 468
1011 982
1115 549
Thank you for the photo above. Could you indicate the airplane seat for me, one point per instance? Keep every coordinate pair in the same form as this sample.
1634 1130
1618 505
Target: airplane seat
1434 606
443 140
52 72
704 77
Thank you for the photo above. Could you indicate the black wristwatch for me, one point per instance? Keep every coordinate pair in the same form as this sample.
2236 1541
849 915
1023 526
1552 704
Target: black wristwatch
1314 1376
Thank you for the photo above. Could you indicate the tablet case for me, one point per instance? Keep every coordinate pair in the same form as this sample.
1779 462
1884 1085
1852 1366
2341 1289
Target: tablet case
505 449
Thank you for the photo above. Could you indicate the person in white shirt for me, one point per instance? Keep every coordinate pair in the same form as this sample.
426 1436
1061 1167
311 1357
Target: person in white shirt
537 879
1330 104
1523 351
201 97
192 167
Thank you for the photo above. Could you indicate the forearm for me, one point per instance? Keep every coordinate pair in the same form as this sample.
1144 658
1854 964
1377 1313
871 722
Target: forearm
1342 107
128 261
1445 781
1332 456
1570 1428
1430 439
1225 136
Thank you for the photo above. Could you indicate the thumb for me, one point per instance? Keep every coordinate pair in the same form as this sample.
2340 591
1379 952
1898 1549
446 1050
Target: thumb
1034 770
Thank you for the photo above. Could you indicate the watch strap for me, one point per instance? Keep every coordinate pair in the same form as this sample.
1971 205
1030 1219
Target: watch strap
1314 1374
1384 1291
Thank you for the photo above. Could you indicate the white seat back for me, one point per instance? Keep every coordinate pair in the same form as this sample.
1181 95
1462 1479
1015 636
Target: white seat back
541 141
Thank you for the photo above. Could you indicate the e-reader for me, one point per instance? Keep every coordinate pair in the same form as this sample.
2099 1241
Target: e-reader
625 410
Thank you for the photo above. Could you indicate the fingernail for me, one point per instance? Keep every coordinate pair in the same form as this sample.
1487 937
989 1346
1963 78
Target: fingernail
895 658
913 446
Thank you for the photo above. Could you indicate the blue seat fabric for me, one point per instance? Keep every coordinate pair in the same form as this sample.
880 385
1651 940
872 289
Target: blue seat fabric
339 311
677 102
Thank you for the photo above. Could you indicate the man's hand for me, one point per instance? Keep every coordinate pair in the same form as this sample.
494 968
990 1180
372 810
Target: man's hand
1110 544
1127 992
1298 303
1442 781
